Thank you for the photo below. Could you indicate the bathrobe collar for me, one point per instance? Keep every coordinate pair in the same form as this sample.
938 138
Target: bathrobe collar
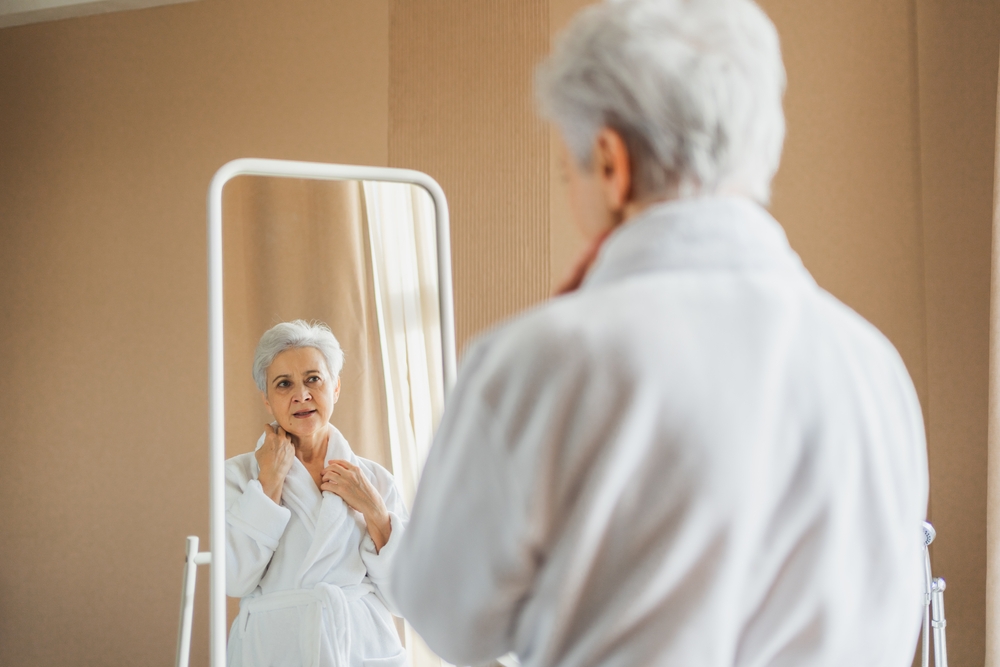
705 233
326 517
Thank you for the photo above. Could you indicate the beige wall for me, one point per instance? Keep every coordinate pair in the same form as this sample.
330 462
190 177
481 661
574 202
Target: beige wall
111 126
110 129
460 109
959 45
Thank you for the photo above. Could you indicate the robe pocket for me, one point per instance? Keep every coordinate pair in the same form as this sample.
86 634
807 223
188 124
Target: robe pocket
274 638
398 660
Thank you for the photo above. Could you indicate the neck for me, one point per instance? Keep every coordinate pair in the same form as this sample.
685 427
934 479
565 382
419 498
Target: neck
634 207
308 447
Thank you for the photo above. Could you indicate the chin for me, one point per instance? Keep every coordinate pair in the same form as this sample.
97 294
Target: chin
310 428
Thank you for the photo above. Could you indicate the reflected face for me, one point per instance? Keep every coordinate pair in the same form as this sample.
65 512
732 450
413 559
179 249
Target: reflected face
300 391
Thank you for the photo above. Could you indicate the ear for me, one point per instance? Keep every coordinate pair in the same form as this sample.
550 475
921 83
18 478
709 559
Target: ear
336 391
267 405
613 169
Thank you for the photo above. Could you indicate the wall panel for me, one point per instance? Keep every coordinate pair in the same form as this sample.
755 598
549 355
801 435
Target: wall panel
110 128
460 109
959 46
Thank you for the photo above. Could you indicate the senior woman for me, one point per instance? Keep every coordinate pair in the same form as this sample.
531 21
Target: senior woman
311 527
695 456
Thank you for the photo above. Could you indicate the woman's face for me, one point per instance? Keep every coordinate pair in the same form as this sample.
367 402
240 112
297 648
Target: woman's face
300 392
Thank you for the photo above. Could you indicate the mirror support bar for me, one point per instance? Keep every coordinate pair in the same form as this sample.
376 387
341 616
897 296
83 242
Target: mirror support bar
193 559
216 369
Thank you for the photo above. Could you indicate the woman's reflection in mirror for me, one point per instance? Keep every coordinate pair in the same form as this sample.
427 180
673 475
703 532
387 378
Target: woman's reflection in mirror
311 527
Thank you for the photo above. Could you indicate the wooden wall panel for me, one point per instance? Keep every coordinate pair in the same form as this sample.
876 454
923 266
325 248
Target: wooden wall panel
111 127
460 109
958 49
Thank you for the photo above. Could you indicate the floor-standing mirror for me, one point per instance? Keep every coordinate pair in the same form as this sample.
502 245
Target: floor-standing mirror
364 250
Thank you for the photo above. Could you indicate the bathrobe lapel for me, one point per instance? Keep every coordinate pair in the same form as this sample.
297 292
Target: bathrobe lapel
331 524
335 534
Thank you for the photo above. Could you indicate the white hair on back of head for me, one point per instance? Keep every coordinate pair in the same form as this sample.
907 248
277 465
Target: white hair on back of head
290 335
694 87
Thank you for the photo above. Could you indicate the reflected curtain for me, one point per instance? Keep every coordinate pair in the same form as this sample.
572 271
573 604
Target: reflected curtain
402 232
401 225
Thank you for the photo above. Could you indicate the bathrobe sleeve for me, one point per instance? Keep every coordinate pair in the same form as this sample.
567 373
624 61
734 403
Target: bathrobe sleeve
475 542
379 563
254 525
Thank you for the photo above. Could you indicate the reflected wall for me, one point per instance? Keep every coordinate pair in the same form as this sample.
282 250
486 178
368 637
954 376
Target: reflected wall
297 249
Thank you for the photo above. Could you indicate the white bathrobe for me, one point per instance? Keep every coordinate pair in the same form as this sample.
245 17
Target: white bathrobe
699 459
313 589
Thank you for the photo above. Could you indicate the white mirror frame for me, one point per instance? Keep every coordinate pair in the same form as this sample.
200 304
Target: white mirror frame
216 377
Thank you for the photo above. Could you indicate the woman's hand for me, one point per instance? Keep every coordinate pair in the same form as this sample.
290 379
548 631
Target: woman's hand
347 481
275 458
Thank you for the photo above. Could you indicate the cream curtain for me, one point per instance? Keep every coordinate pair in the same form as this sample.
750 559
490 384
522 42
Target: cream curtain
402 233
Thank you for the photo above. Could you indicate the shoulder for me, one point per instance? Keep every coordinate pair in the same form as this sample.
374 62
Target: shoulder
559 328
862 337
540 356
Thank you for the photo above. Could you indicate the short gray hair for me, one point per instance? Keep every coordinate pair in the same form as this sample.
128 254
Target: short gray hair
290 335
694 87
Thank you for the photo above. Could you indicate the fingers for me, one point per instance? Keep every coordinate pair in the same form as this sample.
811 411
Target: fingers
273 428
341 464
342 473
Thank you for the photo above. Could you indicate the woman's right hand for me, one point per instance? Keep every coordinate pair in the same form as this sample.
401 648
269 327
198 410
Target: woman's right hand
275 458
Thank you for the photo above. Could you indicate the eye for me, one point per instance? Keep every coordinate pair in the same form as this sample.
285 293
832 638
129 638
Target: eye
283 384
314 378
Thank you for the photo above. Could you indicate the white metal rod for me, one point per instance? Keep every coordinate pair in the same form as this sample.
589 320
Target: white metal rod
216 427
187 603
216 368
447 307
925 635
938 623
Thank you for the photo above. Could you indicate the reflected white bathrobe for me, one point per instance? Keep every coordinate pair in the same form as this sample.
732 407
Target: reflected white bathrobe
699 459
313 589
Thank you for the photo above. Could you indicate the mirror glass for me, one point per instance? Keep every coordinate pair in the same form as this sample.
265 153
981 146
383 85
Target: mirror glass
361 257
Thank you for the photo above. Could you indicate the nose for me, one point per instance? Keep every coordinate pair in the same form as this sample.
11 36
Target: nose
302 394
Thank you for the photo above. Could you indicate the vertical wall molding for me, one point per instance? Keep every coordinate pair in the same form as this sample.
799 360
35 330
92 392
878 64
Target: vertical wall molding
993 432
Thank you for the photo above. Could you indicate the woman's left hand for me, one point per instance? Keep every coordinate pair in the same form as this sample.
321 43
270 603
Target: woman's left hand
347 481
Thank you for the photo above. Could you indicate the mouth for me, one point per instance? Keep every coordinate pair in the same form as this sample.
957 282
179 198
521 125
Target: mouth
303 414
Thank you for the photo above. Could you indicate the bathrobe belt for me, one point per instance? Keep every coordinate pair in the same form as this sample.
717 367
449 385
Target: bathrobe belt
324 596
